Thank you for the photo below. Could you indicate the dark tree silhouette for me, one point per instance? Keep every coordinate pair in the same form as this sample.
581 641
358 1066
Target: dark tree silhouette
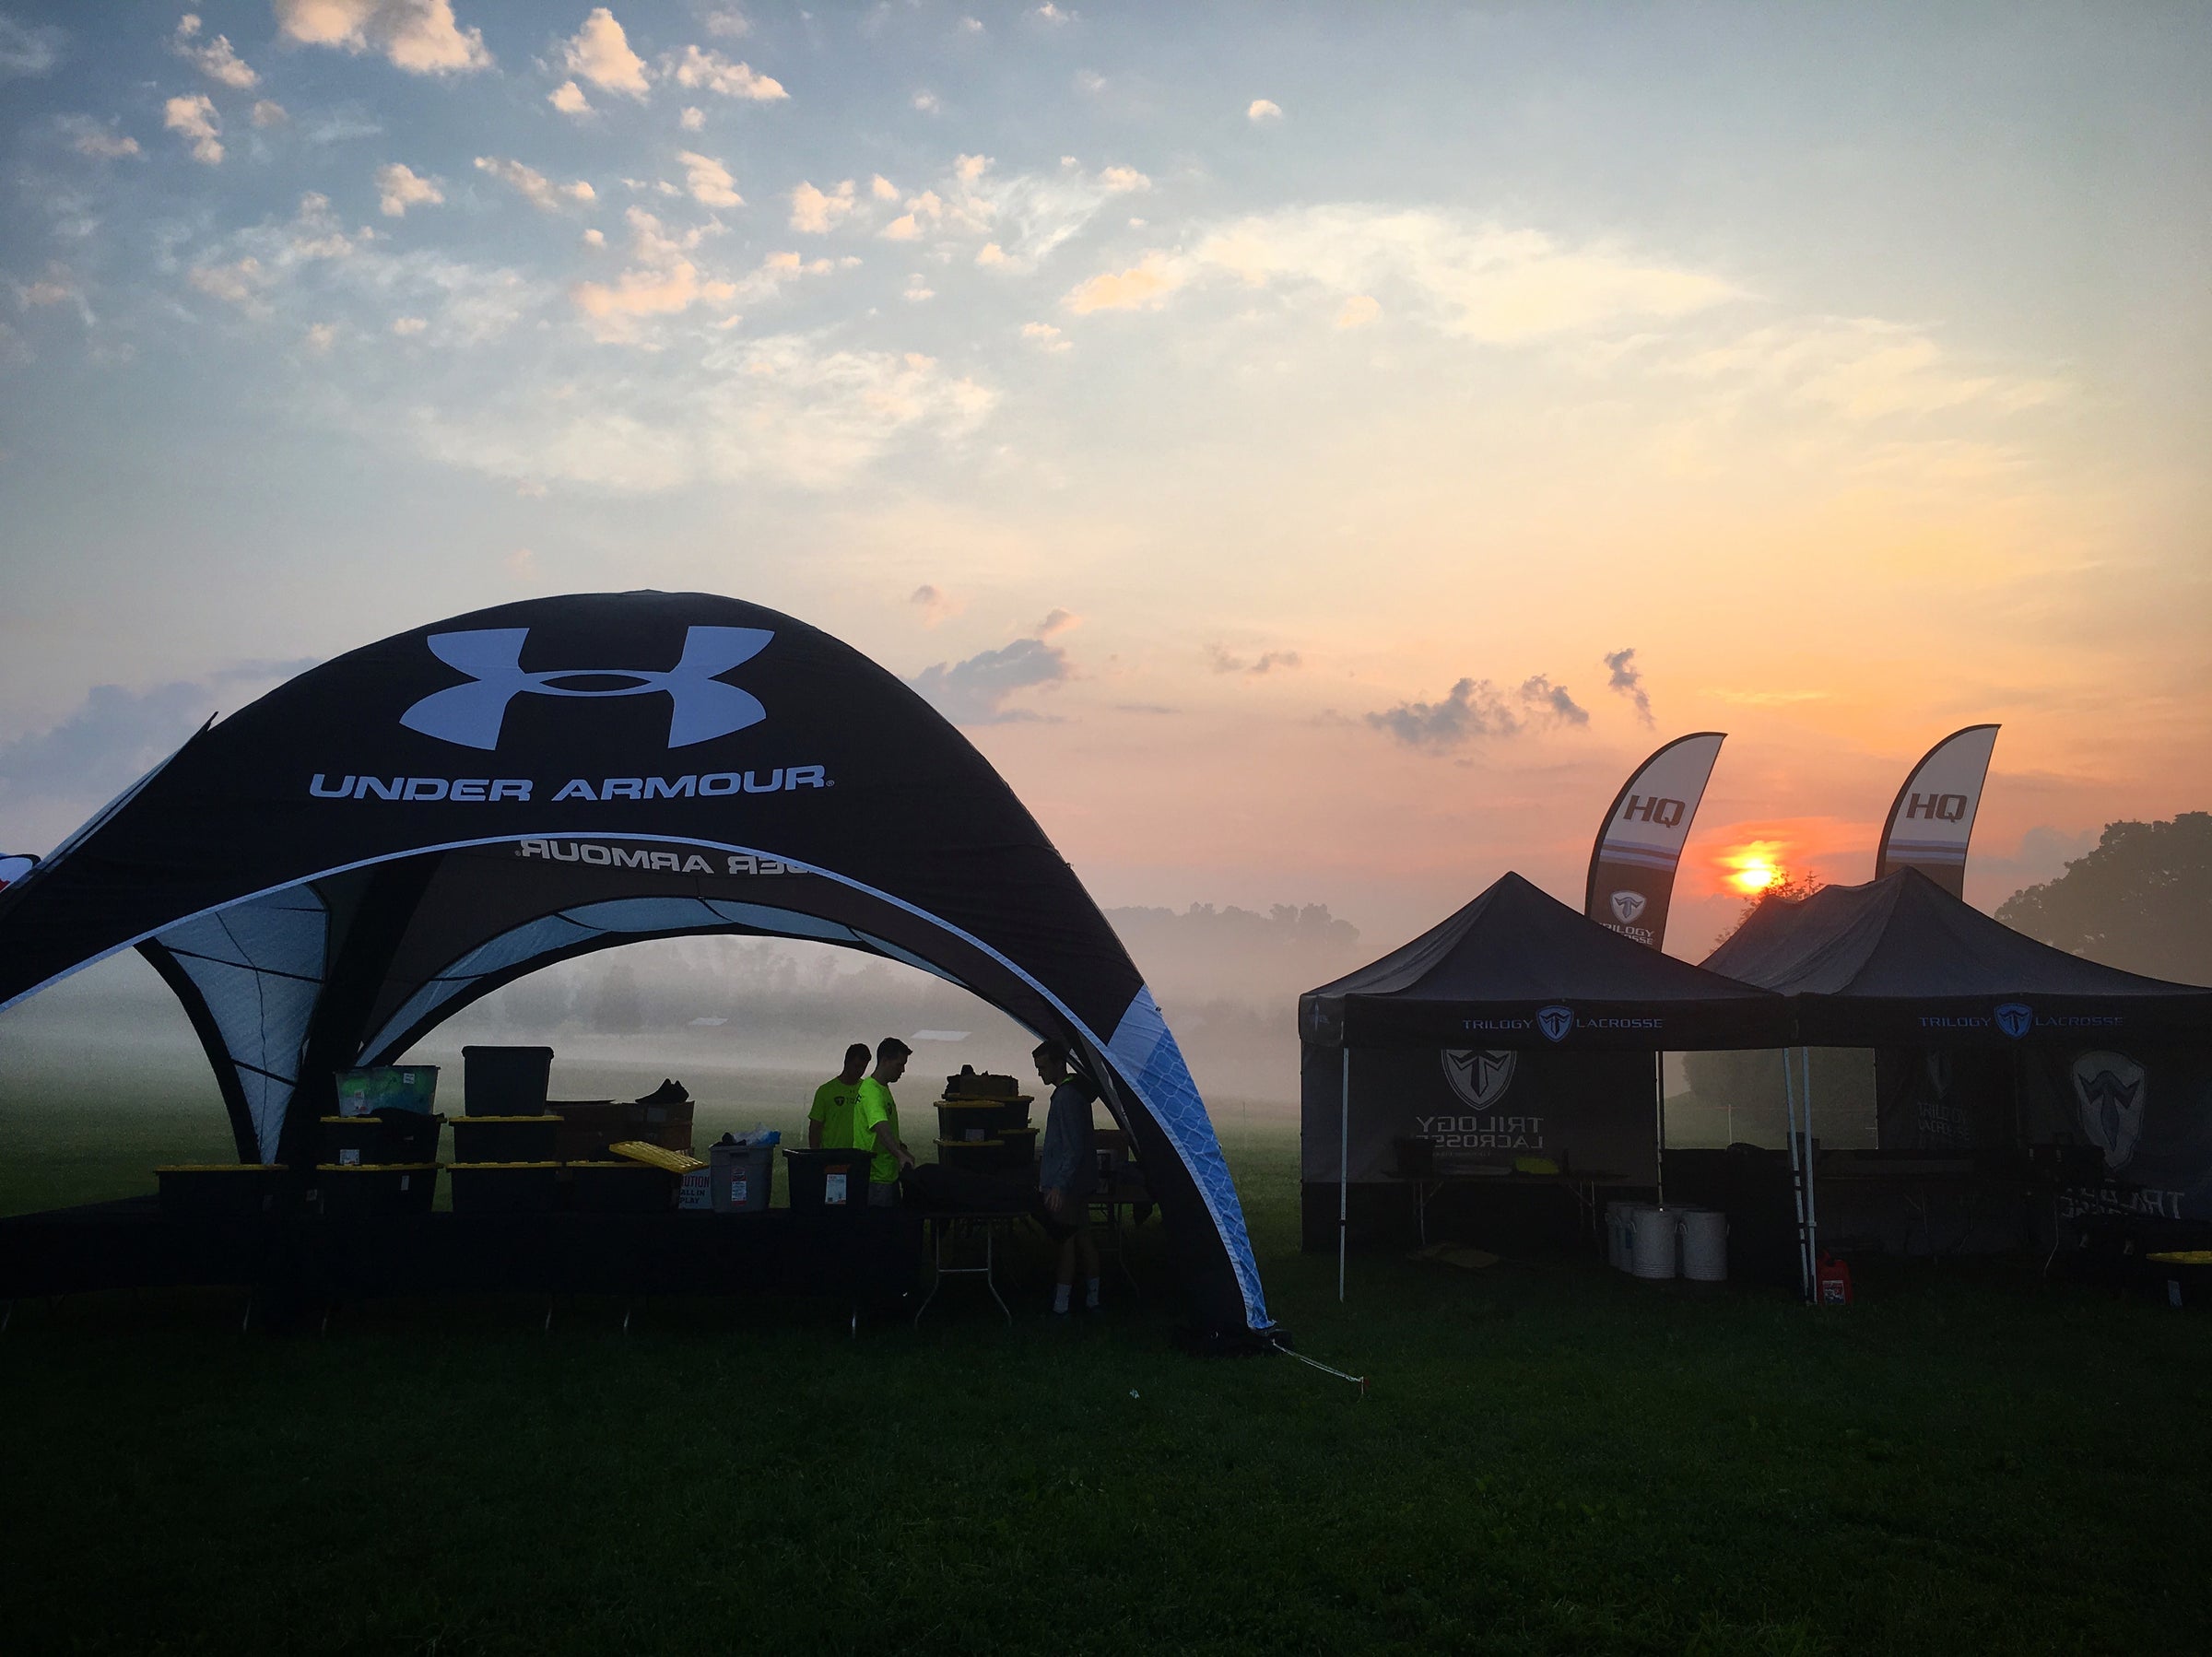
1785 887
2142 900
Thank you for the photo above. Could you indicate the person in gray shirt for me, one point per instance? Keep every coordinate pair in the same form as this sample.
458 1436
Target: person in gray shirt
1068 1169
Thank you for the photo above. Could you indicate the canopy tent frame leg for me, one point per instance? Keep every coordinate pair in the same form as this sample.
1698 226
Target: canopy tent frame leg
1659 1103
1789 1094
1344 1173
1812 1202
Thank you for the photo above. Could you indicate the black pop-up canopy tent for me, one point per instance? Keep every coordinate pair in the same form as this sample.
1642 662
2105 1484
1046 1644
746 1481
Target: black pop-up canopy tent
329 873
1986 1040
1515 1026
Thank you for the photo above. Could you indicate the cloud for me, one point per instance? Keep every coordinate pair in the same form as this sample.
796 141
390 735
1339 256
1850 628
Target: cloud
1090 80
1120 181
420 36
115 735
1862 368
399 187
1263 109
717 73
928 103
936 604
533 186
974 692
269 112
882 189
1044 336
1144 286
568 99
215 59
1551 702
600 53
1478 280
89 137
1056 621
1050 13
918 288
814 211
711 183
26 51
1628 680
406 326
1476 707
1358 311
193 120
693 120
1222 660
990 253
664 283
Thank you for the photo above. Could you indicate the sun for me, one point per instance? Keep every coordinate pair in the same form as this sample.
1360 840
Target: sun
1755 874
1754 868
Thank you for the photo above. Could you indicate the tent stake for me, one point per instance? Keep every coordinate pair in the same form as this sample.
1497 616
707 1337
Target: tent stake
1344 1173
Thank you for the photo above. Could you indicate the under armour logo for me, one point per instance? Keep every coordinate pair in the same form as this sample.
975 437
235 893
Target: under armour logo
2014 1018
1555 1022
704 708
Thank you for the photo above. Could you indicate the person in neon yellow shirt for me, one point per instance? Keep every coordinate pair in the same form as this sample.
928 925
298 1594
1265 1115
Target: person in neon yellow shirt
829 1123
876 1122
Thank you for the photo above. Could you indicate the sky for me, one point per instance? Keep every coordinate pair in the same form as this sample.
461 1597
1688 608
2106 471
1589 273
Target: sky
1314 452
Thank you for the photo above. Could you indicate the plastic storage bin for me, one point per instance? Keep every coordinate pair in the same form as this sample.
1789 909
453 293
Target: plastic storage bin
222 1190
506 1138
1020 1147
832 1180
376 1188
505 1081
744 1177
390 1135
504 1187
621 1188
375 1087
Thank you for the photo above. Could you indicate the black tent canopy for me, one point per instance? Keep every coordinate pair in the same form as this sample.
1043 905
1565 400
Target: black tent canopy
328 874
1900 961
1518 968
1515 1026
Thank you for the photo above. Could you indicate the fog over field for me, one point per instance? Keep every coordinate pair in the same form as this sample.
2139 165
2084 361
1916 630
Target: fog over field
700 1007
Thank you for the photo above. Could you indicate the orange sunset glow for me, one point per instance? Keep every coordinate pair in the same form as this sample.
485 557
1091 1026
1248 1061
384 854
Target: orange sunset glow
1755 868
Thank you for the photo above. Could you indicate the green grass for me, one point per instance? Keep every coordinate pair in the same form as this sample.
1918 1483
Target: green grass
1551 1459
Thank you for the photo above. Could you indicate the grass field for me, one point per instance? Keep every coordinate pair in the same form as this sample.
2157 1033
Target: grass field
1550 1459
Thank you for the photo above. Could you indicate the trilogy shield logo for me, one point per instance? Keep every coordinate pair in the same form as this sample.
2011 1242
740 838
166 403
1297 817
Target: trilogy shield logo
2108 1086
1627 906
2014 1019
1481 1078
702 706
1555 1022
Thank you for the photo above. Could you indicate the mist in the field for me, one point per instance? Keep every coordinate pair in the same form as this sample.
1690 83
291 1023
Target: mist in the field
699 1007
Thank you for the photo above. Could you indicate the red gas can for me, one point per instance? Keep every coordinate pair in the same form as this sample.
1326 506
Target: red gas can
1832 1282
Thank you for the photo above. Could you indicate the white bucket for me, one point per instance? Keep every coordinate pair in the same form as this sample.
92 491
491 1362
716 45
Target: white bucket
1653 1240
1705 1245
1620 1233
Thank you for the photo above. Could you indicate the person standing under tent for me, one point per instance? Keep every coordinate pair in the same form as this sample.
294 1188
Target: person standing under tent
829 1123
876 1122
1068 1171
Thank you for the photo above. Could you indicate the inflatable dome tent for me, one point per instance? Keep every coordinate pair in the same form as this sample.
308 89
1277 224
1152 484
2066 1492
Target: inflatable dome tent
328 874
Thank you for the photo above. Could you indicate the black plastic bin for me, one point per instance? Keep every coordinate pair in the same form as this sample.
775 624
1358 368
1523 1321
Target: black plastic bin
1019 1147
504 1187
222 1190
971 1120
621 1188
377 1188
389 1136
505 1081
506 1138
812 1189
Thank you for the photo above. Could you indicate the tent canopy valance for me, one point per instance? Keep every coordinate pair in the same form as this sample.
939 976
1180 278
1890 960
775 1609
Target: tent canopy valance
325 874
1899 961
1518 968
